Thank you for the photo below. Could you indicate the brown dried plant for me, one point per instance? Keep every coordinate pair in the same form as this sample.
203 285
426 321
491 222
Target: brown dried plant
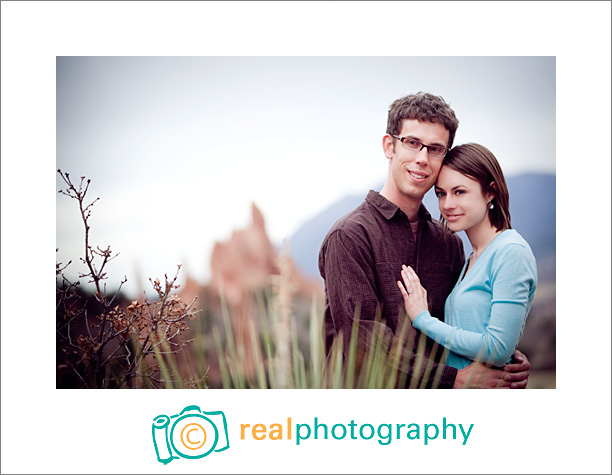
116 347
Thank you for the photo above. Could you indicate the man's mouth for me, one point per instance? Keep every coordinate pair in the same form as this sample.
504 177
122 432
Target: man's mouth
418 176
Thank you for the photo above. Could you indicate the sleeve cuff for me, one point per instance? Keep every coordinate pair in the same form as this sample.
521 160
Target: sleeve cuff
420 319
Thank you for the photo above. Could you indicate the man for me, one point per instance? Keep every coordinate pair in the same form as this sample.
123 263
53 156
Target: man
362 254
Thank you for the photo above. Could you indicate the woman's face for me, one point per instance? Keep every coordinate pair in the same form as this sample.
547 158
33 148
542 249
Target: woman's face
461 200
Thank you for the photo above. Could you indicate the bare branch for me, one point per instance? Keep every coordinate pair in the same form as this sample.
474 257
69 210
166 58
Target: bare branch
135 332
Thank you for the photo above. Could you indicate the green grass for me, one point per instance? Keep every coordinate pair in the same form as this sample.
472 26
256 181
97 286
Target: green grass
267 367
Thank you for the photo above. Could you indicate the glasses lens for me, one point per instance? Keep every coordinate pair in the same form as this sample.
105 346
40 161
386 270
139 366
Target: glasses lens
411 144
436 151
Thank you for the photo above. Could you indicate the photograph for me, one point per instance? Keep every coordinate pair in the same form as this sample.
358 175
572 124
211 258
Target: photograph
243 220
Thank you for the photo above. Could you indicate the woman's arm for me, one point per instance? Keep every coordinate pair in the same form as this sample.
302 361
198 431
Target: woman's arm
513 282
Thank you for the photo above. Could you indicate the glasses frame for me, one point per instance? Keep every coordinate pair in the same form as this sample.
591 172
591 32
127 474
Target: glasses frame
401 139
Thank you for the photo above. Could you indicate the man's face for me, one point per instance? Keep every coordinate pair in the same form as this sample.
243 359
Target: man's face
412 173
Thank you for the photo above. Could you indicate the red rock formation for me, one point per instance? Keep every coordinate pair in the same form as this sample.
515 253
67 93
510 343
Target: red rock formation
241 266
245 262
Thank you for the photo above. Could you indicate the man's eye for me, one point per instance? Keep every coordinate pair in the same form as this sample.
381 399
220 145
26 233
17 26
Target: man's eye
413 143
434 149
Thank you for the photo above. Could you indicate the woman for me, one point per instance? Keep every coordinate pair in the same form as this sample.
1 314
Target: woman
485 313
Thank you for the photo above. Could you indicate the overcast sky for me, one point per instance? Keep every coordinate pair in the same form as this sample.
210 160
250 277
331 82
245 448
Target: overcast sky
178 147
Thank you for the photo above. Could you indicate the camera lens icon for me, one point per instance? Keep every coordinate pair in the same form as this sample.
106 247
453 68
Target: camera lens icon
192 434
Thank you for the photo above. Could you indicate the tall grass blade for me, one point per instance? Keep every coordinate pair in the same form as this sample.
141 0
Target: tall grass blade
226 379
317 358
259 366
163 369
238 377
174 371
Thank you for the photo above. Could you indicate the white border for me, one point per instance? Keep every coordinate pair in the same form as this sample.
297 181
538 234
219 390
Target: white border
49 431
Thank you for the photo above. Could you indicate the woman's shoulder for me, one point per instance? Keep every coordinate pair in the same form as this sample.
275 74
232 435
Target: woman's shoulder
507 238
511 247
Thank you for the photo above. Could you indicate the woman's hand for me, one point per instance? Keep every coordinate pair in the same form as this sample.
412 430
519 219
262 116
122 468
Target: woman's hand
415 296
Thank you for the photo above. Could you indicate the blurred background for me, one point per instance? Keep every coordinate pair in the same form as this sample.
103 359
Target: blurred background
220 163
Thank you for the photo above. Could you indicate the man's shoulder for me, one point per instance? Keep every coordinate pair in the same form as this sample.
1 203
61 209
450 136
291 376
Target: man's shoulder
348 234
355 221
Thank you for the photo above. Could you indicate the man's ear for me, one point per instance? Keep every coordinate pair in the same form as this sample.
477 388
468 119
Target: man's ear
388 147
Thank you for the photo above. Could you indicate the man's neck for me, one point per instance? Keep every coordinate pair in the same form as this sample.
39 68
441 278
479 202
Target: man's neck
409 205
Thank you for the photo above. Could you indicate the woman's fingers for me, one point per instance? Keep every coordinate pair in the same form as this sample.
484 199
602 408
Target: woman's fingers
402 290
407 280
406 287
414 275
406 297
411 279
413 293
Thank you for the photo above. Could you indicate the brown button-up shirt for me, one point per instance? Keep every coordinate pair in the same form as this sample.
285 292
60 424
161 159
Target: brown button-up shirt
360 261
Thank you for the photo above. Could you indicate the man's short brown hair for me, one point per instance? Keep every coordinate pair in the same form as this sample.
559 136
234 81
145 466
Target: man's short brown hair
423 107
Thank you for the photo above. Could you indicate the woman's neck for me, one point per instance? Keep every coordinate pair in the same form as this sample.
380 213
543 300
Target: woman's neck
480 237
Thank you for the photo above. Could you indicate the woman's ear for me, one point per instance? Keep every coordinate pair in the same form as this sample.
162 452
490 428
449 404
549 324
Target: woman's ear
492 193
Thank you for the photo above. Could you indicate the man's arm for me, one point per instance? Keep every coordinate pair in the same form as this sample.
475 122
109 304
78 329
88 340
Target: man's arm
478 375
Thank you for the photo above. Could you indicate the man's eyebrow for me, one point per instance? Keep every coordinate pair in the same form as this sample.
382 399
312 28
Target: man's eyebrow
417 138
439 144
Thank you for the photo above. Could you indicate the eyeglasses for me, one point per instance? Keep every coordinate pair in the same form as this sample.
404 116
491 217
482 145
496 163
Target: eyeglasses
414 145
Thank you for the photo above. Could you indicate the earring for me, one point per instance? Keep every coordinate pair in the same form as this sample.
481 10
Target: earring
490 205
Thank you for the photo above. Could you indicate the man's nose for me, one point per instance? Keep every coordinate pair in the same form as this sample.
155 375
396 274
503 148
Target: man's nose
423 156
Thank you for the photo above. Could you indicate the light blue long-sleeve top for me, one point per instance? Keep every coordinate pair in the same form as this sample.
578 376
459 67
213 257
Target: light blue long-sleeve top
485 313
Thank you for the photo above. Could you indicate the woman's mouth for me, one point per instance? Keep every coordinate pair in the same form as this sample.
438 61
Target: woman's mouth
451 218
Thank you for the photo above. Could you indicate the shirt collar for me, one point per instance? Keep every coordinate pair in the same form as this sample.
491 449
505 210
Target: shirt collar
388 209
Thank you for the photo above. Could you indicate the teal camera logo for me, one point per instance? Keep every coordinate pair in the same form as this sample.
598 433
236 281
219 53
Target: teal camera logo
192 434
